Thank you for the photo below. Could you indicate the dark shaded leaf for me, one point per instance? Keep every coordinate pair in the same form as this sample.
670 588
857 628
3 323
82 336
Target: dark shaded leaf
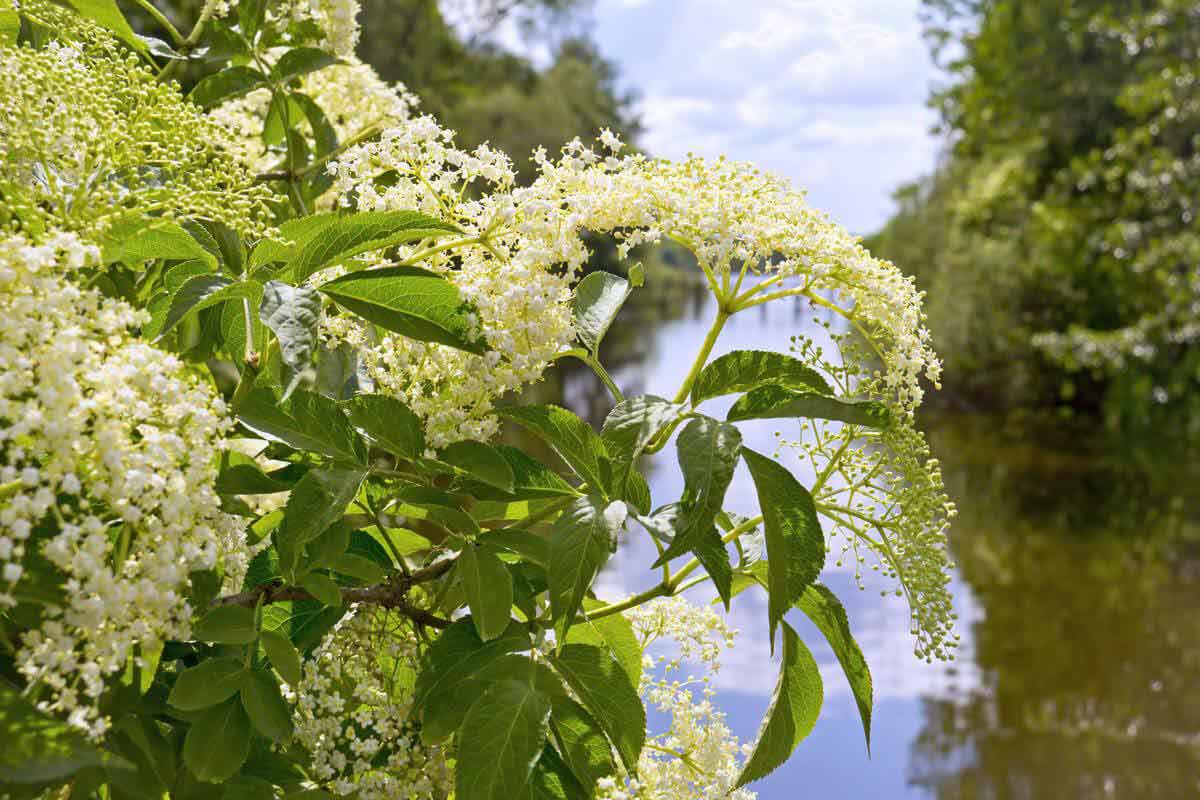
776 402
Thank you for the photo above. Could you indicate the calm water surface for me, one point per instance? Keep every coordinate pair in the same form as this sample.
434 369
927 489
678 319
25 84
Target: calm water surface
1077 588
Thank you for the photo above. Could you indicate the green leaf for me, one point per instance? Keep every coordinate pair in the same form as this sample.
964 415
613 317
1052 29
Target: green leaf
552 779
292 313
531 547
481 461
292 236
305 421
598 298
531 479
282 655
614 634
106 14
585 748
632 425
226 85
569 436
584 536
39 749
362 232
489 589
246 478
134 239
447 681
318 501
301 61
795 544
637 275
604 689
218 742
360 568
708 454
792 713
205 291
324 134
502 738
264 704
322 588
227 625
743 370
410 301
776 402
826 612
212 681
10 27
389 423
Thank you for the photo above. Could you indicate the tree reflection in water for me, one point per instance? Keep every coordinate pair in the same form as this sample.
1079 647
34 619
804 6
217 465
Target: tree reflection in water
1086 568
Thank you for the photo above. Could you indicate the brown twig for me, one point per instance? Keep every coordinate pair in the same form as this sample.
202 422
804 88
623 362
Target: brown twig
392 594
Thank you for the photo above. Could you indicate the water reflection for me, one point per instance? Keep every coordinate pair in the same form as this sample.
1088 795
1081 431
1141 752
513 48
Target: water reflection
1078 588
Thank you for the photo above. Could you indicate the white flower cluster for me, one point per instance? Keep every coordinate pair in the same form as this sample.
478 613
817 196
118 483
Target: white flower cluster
337 19
107 463
527 245
352 712
697 757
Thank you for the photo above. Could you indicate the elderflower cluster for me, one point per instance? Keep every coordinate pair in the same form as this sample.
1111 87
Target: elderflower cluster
107 470
697 757
880 494
525 245
353 709
337 20
88 134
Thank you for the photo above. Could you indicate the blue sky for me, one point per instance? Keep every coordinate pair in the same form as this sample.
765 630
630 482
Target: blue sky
831 95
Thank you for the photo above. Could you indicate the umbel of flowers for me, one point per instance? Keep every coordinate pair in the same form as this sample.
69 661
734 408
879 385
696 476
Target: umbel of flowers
256 528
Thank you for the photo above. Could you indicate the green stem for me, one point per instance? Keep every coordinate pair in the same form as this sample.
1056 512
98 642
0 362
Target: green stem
429 251
545 513
10 489
164 23
661 590
189 43
702 357
596 367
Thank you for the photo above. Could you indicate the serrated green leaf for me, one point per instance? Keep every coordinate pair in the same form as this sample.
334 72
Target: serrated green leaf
529 546
708 454
481 461
630 427
324 134
826 612
218 742
583 538
614 634
410 301
282 655
205 291
39 749
305 421
447 682
743 370
293 314
244 477
225 85
210 682
300 61
795 544
776 402
362 232
226 625
585 748
552 779
531 479
134 239
598 298
264 704
792 713
489 589
322 588
389 423
501 739
293 234
604 689
317 502
569 436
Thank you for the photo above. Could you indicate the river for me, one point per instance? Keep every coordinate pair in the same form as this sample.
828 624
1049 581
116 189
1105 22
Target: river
1077 586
